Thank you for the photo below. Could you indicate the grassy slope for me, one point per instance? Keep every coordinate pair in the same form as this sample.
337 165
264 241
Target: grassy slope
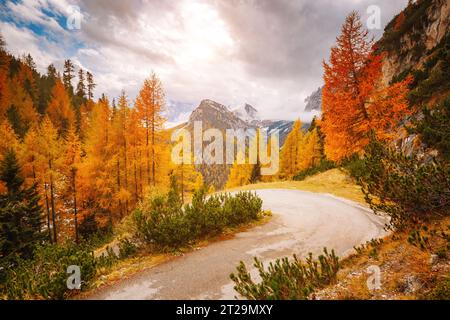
334 181
407 272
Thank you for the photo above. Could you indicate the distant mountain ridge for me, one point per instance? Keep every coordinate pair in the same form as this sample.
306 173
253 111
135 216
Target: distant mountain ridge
215 115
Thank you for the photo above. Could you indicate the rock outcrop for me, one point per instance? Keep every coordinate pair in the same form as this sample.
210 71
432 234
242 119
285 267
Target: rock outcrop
412 34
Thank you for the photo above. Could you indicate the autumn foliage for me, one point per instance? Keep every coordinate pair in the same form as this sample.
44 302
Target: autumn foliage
91 161
300 151
354 102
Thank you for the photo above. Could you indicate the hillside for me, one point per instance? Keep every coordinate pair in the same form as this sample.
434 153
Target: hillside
412 262
215 115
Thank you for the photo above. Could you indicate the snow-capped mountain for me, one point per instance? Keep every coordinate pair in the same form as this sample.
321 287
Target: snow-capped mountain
314 101
215 115
247 113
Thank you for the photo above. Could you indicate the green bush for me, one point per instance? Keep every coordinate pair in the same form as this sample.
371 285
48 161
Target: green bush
403 186
285 279
371 247
205 215
355 166
107 259
162 221
434 128
441 291
45 276
126 248
323 166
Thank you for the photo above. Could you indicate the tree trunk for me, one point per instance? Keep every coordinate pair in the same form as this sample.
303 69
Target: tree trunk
148 153
140 174
126 171
136 197
52 202
153 148
48 212
182 182
118 186
75 210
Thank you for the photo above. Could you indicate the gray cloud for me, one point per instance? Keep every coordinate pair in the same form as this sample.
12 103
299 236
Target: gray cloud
290 39
264 52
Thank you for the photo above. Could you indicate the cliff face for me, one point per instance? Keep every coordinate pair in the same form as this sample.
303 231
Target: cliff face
416 43
411 36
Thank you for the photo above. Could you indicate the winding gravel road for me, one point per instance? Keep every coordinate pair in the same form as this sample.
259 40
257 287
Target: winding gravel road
302 222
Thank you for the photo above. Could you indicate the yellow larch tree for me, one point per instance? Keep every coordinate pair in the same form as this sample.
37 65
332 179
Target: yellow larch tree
150 103
135 136
187 177
310 150
240 174
71 165
355 104
291 151
8 140
34 167
50 151
119 142
96 181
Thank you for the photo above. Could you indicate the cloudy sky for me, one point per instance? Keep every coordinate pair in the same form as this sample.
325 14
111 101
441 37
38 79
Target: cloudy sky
264 52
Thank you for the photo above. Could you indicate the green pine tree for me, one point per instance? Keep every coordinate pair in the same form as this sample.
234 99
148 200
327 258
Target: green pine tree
16 121
20 213
434 128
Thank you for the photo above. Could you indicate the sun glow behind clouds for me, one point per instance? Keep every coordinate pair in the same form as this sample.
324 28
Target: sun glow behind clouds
205 36
199 48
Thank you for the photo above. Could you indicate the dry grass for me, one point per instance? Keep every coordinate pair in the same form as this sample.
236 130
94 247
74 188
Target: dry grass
407 272
334 181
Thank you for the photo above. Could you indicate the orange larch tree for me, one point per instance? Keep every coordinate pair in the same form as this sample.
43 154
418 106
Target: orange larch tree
60 109
354 103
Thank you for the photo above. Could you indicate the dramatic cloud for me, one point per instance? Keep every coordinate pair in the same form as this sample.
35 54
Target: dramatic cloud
267 53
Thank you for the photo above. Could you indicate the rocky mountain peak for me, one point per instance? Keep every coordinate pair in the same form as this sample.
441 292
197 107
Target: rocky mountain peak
214 114
314 101
247 113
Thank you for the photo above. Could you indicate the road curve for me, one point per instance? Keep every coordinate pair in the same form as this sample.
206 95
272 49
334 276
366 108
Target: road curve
302 222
